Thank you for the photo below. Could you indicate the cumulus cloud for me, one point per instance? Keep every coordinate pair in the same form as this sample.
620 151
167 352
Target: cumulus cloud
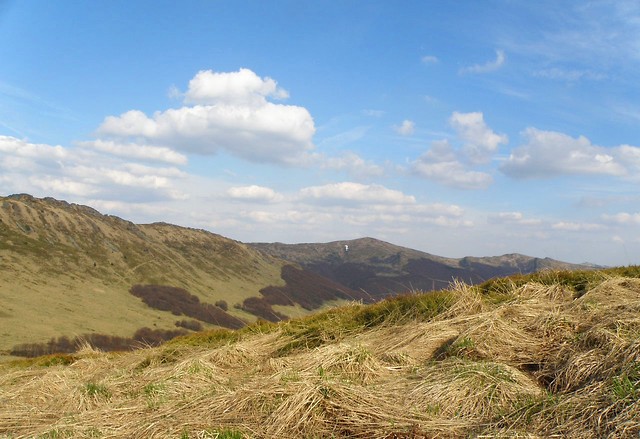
480 141
87 172
406 128
255 193
135 151
441 164
224 111
41 152
547 154
373 205
452 166
350 192
241 87
353 164
63 185
487 67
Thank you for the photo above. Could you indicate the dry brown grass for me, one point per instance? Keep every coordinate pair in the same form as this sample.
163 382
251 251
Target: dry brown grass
536 361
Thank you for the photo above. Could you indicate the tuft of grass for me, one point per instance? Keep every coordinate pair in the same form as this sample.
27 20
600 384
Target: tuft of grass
46 361
96 390
213 338
155 394
460 348
625 386
56 433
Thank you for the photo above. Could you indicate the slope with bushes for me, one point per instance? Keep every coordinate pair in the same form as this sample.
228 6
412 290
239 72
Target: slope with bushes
67 271
550 355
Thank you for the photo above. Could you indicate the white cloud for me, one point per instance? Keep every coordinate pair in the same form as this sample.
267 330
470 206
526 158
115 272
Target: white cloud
353 164
55 171
63 185
452 174
406 128
40 152
567 226
453 167
569 75
231 113
139 169
480 141
430 59
349 192
255 193
513 218
623 218
487 67
241 87
441 164
135 151
289 216
375 206
374 113
548 154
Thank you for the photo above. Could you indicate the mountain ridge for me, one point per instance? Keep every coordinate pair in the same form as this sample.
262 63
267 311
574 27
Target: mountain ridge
381 268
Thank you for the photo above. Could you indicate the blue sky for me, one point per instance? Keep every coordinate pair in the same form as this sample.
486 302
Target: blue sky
457 128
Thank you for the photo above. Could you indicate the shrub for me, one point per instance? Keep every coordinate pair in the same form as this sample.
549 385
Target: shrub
180 302
103 342
193 325
222 304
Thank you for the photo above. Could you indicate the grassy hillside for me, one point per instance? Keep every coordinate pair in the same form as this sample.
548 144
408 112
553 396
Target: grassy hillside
67 270
549 355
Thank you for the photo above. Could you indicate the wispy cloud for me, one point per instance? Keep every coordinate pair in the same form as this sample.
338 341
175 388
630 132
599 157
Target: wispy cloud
490 66
430 59
514 218
557 73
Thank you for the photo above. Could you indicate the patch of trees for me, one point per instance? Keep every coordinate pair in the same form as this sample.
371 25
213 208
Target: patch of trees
180 302
308 289
64 345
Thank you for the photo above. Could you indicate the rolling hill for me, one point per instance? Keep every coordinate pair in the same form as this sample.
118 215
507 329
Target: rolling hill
67 270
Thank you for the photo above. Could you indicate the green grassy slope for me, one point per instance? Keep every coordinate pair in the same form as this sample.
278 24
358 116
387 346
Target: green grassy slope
67 270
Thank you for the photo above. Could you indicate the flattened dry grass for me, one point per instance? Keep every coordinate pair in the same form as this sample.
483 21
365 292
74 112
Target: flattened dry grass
536 359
